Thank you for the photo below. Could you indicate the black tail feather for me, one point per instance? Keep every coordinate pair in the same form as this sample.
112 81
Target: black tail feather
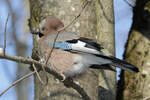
105 66
121 64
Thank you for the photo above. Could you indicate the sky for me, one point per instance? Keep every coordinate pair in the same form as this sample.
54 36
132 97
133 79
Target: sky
123 21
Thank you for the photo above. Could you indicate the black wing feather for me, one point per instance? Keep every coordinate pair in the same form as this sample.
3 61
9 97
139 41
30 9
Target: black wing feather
89 43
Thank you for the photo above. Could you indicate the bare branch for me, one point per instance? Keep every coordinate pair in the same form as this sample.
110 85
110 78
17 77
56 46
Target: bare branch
14 19
104 13
5 33
71 84
20 59
128 3
37 74
17 81
50 71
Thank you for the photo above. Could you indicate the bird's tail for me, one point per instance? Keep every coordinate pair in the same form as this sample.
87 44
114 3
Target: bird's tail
120 63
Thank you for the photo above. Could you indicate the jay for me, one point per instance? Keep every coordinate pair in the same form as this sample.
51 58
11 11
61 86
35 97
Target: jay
72 54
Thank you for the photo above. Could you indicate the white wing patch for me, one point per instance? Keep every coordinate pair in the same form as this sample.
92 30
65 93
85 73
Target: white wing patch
80 46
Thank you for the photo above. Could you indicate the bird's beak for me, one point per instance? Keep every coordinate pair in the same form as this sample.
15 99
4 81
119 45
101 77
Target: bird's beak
37 32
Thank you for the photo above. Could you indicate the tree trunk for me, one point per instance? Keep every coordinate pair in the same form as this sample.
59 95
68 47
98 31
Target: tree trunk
105 30
136 86
85 26
66 10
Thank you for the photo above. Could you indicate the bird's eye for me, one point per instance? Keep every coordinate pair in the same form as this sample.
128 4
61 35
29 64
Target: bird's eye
43 28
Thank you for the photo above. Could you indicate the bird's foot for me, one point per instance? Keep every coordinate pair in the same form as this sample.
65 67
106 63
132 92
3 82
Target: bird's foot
63 76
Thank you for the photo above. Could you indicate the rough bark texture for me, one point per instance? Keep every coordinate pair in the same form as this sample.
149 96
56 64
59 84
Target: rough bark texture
66 10
105 30
137 86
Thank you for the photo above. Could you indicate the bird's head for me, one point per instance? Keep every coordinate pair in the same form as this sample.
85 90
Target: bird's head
48 26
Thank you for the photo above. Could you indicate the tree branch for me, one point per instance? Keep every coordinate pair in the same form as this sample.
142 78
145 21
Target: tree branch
28 60
20 59
16 82
37 74
5 33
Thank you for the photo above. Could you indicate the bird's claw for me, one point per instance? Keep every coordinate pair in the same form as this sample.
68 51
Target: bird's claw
63 76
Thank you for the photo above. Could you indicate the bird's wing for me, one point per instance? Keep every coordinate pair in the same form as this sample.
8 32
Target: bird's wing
91 53
84 45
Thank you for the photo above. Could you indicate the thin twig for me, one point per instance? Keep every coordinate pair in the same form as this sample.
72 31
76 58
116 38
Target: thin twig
104 13
76 17
128 3
37 74
17 81
5 33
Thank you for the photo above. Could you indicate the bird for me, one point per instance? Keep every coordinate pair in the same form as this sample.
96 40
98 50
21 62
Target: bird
72 54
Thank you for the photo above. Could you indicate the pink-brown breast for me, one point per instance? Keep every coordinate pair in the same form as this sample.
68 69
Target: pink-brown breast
60 60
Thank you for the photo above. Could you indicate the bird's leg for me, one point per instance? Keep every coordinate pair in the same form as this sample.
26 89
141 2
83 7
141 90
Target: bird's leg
63 76
67 82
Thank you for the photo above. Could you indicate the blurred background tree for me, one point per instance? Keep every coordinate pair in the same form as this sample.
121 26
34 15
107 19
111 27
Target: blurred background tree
137 86
18 43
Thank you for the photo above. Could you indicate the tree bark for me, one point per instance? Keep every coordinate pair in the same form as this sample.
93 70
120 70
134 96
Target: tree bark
136 86
106 36
66 10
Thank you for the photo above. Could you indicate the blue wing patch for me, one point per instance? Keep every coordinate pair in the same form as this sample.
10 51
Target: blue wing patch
62 45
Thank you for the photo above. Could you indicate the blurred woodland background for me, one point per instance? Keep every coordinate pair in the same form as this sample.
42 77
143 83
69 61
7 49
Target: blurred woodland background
19 42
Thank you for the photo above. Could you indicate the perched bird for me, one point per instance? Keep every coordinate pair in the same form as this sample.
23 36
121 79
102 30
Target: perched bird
72 54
